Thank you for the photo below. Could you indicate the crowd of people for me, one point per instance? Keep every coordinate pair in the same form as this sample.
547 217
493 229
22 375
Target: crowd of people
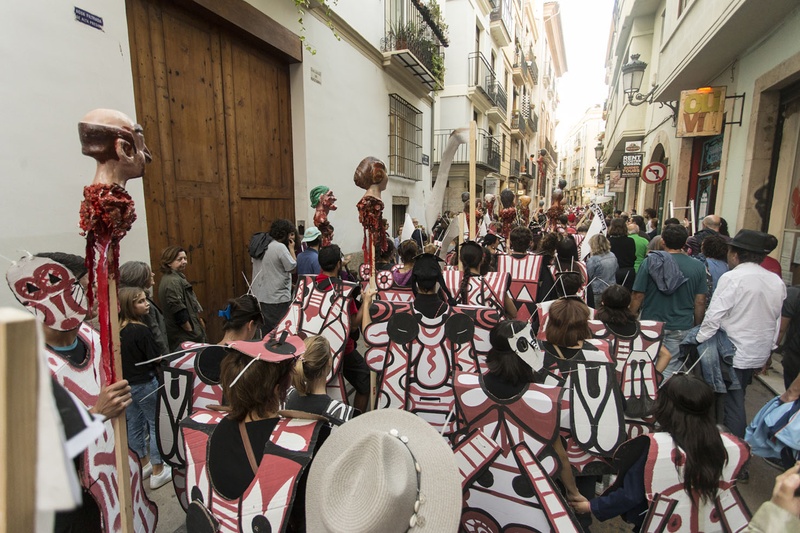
704 313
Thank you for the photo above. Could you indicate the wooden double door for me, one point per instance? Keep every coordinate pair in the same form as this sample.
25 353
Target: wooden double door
216 113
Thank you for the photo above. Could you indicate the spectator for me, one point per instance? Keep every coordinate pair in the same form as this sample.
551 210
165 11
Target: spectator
273 264
625 251
601 267
308 261
651 226
671 288
408 252
715 254
747 306
634 233
139 274
182 310
711 225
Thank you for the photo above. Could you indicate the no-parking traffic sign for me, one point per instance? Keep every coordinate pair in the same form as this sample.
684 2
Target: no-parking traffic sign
654 173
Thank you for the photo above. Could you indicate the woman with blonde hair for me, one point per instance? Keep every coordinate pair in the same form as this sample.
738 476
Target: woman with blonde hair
310 379
601 267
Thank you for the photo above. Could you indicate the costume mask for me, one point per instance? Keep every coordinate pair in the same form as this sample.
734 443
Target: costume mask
50 291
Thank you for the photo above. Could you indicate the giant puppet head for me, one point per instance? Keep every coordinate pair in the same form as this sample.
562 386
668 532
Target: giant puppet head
49 290
117 143
324 197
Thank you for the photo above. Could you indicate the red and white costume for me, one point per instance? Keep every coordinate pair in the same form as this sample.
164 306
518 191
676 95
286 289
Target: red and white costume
267 502
98 471
389 291
592 413
191 383
315 311
524 273
486 291
580 268
416 356
635 357
671 509
513 489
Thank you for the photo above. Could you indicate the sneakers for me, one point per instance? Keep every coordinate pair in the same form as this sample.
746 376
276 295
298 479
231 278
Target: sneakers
159 480
147 470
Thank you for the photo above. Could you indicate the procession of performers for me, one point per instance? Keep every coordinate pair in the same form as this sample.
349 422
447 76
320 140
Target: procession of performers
499 400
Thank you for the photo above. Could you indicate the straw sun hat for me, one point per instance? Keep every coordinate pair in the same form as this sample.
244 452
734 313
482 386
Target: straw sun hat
384 471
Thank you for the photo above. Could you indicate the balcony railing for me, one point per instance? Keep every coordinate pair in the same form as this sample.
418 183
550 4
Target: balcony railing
482 76
533 122
521 62
518 122
504 13
411 27
515 166
487 157
498 95
534 68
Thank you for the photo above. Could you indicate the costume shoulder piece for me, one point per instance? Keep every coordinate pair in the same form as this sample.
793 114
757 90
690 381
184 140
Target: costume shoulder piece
267 502
672 509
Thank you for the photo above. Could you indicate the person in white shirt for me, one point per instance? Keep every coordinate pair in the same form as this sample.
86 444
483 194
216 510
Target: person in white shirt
747 306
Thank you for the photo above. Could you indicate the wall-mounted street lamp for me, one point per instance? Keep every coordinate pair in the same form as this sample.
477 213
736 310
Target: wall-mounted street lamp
632 76
598 155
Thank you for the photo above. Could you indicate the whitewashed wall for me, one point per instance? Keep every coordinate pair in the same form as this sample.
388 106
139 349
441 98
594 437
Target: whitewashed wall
55 70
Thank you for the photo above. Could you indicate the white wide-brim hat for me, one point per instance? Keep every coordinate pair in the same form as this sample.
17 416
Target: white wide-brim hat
384 471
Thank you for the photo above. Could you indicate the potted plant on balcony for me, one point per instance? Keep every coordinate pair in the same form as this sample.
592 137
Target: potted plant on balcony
405 36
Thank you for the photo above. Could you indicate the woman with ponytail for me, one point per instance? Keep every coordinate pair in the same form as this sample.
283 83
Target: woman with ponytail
490 290
310 379
688 461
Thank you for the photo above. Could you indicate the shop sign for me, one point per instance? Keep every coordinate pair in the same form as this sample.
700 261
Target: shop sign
633 146
615 181
632 165
701 112
654 173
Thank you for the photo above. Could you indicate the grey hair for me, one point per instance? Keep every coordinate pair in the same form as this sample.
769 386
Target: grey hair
134 274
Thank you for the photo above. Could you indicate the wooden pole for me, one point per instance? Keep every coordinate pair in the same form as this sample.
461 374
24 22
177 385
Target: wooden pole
18 391
473 149
119 422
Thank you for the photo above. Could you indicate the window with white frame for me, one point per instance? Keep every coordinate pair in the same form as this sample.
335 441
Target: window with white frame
405 137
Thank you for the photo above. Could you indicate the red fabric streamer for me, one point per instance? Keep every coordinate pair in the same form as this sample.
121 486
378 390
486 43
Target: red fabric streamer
107 214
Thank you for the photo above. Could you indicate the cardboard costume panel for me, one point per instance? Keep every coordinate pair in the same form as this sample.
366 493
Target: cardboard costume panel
579 267
50 291
98 472
388 290
524 273
416 356
322 309
635 357
591 414
487 291
671 509
512 488
267 502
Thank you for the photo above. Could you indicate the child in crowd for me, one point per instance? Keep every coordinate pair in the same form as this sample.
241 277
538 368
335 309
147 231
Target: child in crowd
138 345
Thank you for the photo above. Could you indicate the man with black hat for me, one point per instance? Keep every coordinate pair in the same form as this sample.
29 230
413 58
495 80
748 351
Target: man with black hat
747 306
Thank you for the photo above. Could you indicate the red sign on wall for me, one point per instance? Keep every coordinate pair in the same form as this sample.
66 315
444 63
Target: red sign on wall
654 173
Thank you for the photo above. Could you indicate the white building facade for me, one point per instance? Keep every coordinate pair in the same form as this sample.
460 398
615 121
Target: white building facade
748 172
579 163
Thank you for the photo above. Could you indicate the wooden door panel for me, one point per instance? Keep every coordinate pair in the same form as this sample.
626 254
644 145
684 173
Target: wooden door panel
216 111
191 55
255 79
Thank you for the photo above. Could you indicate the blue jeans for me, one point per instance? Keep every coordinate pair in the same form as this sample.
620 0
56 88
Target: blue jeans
141 419
735 416
672 342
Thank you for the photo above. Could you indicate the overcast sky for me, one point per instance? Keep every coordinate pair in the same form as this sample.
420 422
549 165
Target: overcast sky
585 24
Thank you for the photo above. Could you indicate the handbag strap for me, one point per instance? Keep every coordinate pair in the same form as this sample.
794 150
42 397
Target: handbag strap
248 448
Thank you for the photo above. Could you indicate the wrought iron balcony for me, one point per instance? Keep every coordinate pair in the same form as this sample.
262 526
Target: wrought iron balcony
483 79
519 125
499 98
533 122
515 166
487 157
501 22
415 39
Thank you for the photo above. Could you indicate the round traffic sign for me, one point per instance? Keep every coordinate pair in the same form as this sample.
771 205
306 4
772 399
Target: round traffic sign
654 173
